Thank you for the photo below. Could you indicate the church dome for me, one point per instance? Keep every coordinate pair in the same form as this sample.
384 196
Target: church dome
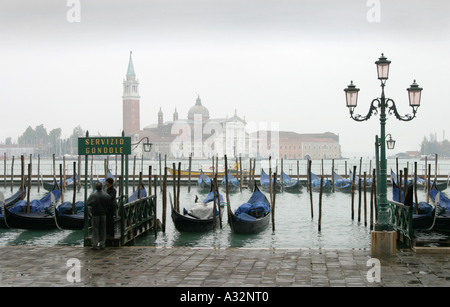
198 108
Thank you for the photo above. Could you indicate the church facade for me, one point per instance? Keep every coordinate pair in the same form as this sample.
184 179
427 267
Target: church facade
202 137
198 135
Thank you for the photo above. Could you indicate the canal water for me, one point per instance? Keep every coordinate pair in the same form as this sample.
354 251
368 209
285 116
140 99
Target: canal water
294 226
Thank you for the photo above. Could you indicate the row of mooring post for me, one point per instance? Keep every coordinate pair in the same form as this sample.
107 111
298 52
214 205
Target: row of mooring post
29 182
250 179
363 187
362 184
362 196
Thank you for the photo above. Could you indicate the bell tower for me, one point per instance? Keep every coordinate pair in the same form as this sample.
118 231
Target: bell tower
130 98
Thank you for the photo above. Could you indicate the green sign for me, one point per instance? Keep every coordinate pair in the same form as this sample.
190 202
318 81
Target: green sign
104 146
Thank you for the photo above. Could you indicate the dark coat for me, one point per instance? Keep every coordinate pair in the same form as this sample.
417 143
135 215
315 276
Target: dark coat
99 202
111 209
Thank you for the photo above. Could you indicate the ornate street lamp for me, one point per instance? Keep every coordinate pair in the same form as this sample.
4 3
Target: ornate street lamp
381 105
351 95
383 67
414 93
147 146
390 143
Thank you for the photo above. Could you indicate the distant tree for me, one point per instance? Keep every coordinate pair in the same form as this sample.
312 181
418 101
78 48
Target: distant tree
55 141
28 137
41 133
50 143
72 142
432 146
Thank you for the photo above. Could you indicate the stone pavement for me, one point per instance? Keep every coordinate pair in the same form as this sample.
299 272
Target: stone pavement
230 267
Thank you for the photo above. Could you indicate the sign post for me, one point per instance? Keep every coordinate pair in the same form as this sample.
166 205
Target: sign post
102 146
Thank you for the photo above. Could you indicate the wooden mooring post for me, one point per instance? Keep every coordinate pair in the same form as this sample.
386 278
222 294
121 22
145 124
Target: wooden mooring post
310 189
273 199
12 173
359 199
353 192
372 198
365 199
226 188
320 204
164 200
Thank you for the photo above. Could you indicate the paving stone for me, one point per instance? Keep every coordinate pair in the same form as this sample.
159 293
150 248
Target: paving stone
229 267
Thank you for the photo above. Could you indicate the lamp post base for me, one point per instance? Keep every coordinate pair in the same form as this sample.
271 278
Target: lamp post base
384 243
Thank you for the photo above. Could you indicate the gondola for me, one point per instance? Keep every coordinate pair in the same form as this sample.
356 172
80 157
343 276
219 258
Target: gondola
423 213
203 183
194 220
440 186
65 219
315 184
139 193
50 186
342 184
40 216
290 185
13 199
442 218
251 217
233 183
264 180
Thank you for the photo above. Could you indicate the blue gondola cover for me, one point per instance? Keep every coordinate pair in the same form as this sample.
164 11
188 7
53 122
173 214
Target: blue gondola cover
37 205
256 206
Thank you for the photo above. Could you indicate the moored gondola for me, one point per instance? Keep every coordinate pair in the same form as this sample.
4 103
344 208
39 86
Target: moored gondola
39 217
265 182
64 217
423 213
290 185
233 183
421 183
69 183
315 184
342 184
442 217
251 217
200 217
204 183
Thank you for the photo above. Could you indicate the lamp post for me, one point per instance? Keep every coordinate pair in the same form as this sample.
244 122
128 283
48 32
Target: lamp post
147 146
390 143
382 105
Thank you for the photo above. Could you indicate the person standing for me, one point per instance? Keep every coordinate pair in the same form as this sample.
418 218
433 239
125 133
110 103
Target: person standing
98 202
111 209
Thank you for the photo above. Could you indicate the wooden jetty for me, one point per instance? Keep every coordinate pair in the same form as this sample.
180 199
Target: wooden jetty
132 220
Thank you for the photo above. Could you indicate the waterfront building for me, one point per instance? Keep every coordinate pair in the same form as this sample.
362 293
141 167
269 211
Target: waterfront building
293 145
202 137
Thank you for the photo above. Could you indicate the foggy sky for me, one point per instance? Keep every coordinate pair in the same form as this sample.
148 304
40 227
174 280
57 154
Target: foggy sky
272 61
